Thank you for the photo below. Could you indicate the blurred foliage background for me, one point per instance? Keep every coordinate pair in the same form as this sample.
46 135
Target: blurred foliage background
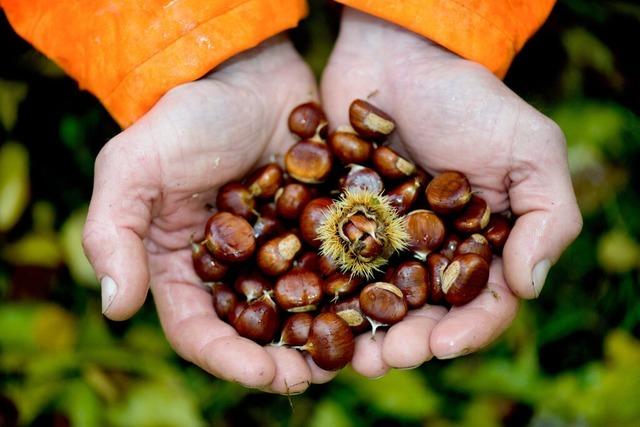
571 358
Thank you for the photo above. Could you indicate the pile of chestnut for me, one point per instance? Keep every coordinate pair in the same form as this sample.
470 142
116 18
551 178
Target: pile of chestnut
350 235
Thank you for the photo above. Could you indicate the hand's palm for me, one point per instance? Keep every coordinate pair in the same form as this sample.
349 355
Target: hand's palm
198 137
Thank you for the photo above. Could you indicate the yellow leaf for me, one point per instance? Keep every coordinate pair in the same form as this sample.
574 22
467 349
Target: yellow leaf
14 183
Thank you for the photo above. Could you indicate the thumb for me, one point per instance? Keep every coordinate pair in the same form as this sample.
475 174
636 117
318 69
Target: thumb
118 220
542 197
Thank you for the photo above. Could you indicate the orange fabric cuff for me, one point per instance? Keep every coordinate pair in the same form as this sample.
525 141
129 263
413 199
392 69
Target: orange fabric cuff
490 32
129 52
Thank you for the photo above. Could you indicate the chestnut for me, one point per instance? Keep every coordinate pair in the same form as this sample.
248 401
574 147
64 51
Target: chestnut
474 217
369 121
360 231
411 278
205 265
390 164
229 237
252 285
450 245
436 264
349 310
235 312
295 330
403 196
309 161
497 231
298 290
330 342
224 300
311 218
291 200
464 278
309 261
265 181
363 178
339 284
475 244
426 232
383 304
307 120
276 256
448 192
267 225
347 146
258 321
327 266
235 198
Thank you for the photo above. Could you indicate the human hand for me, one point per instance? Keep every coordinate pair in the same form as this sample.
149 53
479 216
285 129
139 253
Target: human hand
453 114
152 182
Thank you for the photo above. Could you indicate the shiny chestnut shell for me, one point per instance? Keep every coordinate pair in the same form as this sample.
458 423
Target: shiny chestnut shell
205 265
258 321
362 178
464 278
265 181
349 147
252 285
229 237
426 232
448 192
276 256
311 218
436 264
309 161
411 277
224 299
497 231
383 302
476 244
403 196
291 200
369 121
295 330
390 164
330 342
307 119
235 198
474 217
298 290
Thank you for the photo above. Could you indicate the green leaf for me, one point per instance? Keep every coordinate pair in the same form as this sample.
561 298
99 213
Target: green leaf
14 183
11 95
153 404
402 394
618 252
35 249
329 413
71 244
42 327
82 405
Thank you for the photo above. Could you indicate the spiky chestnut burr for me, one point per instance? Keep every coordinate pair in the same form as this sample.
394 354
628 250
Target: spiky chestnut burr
361 231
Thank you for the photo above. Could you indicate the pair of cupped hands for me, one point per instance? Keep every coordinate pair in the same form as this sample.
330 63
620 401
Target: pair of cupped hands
153 180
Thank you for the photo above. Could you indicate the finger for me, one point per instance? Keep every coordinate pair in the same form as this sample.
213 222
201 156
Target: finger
468 328
319 375
367 357
542 197
292 375
118 218
406 344
195 332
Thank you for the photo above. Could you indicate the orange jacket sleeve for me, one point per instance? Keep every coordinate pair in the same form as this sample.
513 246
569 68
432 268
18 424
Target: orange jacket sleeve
130 52
490 32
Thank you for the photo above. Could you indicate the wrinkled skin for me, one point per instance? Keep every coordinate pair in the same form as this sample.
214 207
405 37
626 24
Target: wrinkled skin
152 181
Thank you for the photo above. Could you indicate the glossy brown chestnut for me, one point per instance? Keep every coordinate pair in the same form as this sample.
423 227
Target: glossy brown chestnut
224 300
360 231
423 177
327 266
426 232
448 192
252 285
229 237
298 291
464 278
450 245
411 278
330 342
235 312
476 244
339 284
369 121
403 196
291 200
362 178
309 161
436 264
311 218
277 255
347 146
474 217
258 321
497 231
349 310
383 303
206 266
307 119
309 261
295 330
390 164
235 198
267 225
265 181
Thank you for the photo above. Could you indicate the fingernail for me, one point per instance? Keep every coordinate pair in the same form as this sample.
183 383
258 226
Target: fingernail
460 353
109 291
539 275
